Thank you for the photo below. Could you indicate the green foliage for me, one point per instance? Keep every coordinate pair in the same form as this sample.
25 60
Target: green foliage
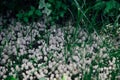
59 8
87 13
31 14
11 78
64 77
44 7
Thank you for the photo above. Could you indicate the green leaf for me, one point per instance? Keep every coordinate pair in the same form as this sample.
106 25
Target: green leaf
99 5
38 13
32 8
52 1
48 5
64 77
10 78
62 13
19 15
112 4
41 4
47 11
64 6
25 19
59 3
30 13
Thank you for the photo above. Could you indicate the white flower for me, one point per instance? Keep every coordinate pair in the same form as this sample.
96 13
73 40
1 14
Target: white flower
88 61
26 67
29 64
45 58
51 76
65 69
61 71
31 78
3 61
10 74
69 78
54 79
4 76
47 79
95 67
25 60
28 72
17 68
24 75
44 50
12 69
101 69
76 58
56 71
39 65
1 73
114 59
45 71
76 78
50 65
57 75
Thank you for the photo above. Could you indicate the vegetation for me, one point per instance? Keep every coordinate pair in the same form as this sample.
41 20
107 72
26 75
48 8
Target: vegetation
59 40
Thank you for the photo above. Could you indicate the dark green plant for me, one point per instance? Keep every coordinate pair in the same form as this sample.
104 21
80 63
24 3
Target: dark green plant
11 78
58 9
88 13
32 14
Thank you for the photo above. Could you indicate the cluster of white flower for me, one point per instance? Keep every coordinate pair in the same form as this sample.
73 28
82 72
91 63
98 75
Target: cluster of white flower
27 55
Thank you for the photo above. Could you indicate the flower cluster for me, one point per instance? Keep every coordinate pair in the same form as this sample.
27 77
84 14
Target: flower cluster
32 53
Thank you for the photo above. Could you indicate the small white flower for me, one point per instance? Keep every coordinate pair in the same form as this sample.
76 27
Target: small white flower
95 67
52 76
28 72
76 78
57 75
76 58
4 76
6 57
17 68
101 69
50 65
114 59
1 73
38 76
3 61
45 58
24 75
31 78
56 71
45 71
